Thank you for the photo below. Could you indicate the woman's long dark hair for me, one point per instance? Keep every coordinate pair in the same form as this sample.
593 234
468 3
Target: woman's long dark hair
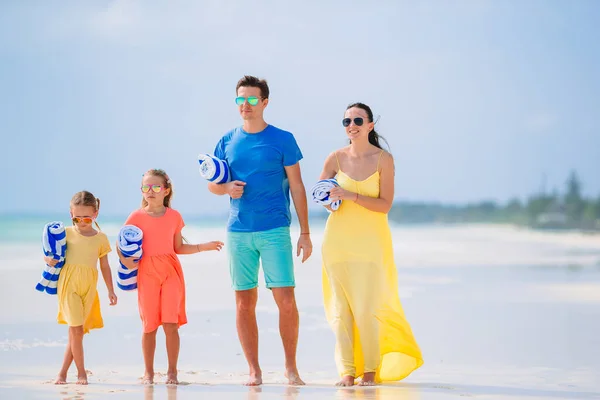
374 137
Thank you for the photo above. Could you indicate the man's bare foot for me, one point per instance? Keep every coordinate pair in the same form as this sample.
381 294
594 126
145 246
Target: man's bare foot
82 379
294 378
61 379
148 378
172 378
347 380
255 379
368 379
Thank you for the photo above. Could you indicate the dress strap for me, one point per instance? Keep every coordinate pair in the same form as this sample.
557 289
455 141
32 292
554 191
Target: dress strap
379 160
337 159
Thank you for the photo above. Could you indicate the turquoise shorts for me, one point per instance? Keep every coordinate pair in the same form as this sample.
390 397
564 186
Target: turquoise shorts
272 248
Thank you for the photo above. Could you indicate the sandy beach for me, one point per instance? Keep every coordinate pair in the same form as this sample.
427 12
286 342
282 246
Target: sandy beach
499 313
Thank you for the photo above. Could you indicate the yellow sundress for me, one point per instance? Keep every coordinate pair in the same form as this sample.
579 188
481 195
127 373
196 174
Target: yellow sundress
360 290
78 302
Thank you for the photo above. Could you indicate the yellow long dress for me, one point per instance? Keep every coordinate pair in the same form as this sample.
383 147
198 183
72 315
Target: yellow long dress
360 289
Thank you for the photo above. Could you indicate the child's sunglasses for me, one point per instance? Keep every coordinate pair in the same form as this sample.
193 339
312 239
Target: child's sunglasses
155 188
358 121
252 100
85 220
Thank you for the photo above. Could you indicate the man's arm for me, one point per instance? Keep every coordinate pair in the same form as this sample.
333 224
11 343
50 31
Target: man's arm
217 188
221 189
298 195
234 189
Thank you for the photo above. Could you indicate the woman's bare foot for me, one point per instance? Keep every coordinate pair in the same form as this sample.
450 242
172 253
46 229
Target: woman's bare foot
172 378
347 380
294 378
61 379
148 378
82 379
368 379
255 379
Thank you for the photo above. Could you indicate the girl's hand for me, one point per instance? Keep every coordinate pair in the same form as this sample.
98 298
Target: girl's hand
337 193
214 245
130 263
50 261
112 297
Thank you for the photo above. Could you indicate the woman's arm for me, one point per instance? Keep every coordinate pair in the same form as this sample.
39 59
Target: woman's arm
329 171
329 168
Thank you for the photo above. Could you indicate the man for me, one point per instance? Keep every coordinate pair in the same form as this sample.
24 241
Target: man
264 165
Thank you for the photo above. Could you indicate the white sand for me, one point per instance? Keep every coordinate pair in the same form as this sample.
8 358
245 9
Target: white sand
500 313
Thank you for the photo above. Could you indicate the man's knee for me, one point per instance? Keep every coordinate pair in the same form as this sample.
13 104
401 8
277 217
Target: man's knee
285 299
246 300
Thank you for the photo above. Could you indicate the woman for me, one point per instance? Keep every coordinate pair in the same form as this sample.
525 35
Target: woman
360 282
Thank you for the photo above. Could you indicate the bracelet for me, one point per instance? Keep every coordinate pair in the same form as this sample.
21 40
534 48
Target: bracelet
305 233
198 248
355 200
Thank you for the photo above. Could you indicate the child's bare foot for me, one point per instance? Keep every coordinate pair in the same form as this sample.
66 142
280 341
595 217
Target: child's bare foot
61 379
368 379
294 378
255 379
172 378
82 379
347 380
148 378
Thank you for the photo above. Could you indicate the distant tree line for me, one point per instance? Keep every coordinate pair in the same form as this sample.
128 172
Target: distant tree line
569 210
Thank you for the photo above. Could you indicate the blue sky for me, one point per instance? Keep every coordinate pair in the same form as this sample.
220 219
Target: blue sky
478 99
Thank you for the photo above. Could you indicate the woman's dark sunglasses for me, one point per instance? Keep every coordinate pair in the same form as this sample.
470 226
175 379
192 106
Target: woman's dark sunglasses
358 121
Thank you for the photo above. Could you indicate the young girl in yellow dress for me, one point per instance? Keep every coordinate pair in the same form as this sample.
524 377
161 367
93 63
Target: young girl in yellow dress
360 282
78 302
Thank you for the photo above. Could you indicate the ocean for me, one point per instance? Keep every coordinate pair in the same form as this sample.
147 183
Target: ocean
500 312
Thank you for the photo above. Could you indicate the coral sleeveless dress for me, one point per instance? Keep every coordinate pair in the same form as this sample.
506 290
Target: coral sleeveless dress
360 290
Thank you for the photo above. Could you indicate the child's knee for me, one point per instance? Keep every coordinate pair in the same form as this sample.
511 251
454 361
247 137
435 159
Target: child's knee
170 328
76 331
151 333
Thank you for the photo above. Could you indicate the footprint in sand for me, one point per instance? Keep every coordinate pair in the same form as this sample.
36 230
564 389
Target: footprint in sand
444 387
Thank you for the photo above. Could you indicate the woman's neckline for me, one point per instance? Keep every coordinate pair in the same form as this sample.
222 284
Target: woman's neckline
362 180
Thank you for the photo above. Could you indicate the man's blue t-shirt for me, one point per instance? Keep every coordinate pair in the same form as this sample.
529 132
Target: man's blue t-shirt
259 160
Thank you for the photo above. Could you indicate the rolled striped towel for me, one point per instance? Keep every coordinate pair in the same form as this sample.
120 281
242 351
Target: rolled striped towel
54 244
130 244
320 193
213 169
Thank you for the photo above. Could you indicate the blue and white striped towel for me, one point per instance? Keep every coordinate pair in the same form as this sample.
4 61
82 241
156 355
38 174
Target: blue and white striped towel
54 244
213 169
320 193
130 244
